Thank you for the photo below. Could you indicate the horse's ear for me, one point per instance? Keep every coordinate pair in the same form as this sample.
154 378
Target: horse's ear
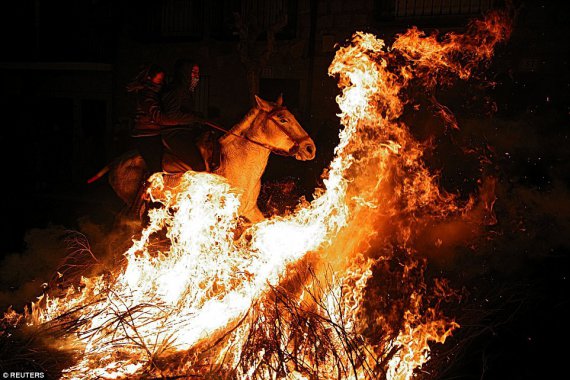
262 104
279 100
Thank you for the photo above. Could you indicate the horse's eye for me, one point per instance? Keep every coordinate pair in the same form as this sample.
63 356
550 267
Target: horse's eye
282 120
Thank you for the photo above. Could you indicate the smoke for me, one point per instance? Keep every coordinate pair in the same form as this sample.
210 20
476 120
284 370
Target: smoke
23 273
56 257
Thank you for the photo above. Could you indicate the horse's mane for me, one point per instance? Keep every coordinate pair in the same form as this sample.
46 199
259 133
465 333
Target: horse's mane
242 125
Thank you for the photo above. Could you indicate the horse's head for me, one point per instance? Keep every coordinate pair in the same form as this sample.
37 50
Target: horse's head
282 132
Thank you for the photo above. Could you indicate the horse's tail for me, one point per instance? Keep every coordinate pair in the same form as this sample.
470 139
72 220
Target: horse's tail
99 174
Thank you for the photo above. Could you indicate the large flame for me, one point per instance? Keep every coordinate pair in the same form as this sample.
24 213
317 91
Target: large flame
194 295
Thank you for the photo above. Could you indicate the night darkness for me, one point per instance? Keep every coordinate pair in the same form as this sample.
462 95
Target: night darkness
66 114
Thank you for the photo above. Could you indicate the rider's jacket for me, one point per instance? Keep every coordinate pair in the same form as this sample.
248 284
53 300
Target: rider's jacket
177 98
149 116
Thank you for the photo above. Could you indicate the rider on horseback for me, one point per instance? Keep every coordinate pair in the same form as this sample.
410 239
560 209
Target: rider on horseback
177 99
150 118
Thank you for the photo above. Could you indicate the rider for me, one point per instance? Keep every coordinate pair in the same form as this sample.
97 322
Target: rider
150 117
178 98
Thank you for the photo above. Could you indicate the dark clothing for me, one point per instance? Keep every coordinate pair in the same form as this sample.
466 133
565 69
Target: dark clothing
151 150
177 96
149 116
181 143
148 110
149 119
178 99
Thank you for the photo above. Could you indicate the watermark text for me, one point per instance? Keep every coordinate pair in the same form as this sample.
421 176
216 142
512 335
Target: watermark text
23 375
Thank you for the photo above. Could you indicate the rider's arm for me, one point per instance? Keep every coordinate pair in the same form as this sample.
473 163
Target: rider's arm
151 106
174 105
184 118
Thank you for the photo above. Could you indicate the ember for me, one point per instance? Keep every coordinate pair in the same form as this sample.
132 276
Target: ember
290 297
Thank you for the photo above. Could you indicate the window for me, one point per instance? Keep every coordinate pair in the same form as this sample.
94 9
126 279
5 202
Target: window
51 142
431 8
169 19
182 18
265 13
92 149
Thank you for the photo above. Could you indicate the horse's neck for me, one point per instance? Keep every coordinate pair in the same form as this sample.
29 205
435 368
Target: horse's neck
243 162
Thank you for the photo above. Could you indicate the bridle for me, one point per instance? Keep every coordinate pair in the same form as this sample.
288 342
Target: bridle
269 116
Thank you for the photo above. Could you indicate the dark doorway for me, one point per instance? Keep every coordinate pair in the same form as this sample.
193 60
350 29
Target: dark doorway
93 129
51 143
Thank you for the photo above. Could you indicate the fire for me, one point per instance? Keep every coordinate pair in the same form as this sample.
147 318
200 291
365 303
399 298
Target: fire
204 300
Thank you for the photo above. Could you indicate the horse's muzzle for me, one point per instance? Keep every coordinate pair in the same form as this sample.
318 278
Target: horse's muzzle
307 150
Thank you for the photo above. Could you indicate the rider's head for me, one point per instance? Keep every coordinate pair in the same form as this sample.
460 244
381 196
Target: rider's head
195 77
187 74
156 74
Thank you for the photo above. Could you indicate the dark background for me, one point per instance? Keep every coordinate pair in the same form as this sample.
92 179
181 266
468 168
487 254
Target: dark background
65 114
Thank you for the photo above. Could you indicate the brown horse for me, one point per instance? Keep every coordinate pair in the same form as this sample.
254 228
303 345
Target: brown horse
244 151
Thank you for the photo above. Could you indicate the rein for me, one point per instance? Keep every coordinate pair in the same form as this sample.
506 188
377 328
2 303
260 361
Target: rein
269 116
215 126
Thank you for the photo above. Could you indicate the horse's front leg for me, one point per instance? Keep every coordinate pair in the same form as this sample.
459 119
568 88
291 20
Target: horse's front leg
255 215
252 212
247 219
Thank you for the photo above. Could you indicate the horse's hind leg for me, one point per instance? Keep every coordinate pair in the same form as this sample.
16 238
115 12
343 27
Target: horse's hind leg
133 211
137 207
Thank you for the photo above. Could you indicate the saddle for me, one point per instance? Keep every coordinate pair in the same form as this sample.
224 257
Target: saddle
209 147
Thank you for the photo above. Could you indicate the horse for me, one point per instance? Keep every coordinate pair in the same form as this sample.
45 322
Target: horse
268 127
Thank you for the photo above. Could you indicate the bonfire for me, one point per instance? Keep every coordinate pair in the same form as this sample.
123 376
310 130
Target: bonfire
333 289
